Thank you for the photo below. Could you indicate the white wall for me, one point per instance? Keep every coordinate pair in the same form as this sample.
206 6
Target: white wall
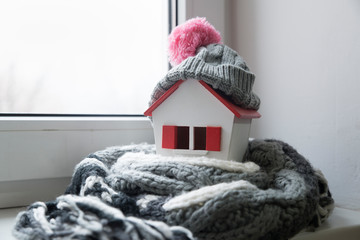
306 56
213 10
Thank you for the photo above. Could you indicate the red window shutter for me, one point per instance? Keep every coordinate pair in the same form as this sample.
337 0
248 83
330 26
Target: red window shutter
213 138
169 137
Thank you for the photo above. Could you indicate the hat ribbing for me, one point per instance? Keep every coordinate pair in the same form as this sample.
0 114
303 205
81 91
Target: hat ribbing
219 66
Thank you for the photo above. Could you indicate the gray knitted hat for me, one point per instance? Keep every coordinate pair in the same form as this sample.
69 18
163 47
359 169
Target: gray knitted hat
218 65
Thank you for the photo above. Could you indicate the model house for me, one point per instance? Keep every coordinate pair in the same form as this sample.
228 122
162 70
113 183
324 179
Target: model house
191 118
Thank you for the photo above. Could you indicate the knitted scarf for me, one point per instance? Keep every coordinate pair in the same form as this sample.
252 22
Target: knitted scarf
129 192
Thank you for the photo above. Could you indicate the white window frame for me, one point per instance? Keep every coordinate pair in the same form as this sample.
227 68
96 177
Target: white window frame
38 153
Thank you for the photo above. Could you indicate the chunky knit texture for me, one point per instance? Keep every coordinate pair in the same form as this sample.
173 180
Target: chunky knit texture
220 67
130 193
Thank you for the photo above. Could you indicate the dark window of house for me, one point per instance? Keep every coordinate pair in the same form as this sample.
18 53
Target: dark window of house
199 138
182 137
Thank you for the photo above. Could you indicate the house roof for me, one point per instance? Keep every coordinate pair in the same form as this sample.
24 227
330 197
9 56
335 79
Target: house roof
236 110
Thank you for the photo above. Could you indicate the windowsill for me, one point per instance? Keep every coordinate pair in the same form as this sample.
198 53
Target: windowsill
58 123
341 221
7 221
342 224
190 152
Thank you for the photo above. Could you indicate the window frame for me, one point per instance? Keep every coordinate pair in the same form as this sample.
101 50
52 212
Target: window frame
19 132
40 152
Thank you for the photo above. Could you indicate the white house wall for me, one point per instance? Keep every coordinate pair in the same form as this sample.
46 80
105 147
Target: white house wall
239 138
192 105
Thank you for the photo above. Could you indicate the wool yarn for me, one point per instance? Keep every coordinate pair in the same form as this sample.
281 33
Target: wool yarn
186 38
129 192
196 52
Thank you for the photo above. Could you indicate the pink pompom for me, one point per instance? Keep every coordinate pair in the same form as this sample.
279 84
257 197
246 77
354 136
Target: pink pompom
186 38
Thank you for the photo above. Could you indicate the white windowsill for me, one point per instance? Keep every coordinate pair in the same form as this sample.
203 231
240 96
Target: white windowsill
44 123
190 152
7 222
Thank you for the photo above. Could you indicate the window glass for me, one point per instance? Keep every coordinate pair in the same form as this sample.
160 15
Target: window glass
81 56
200 138
183 137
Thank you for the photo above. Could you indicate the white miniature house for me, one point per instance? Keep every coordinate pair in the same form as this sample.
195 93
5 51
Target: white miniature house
191 118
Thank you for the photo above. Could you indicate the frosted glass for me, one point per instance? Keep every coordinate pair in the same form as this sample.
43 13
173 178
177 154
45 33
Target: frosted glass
81 56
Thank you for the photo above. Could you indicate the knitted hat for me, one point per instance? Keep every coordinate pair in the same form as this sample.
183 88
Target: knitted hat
195 46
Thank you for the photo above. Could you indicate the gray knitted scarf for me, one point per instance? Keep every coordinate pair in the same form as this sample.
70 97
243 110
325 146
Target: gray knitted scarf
131 193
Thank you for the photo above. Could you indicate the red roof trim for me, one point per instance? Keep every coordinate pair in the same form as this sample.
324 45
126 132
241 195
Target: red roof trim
162 98
239 112
236 110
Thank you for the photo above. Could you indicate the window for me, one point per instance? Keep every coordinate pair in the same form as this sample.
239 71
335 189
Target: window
61 61
178 137
81 56
199 138
48 146
182 137
175 137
